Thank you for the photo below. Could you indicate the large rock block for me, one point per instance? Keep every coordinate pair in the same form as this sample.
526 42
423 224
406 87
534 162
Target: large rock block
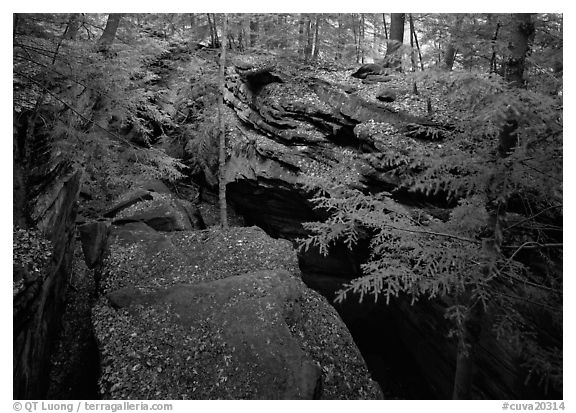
38 306
218 315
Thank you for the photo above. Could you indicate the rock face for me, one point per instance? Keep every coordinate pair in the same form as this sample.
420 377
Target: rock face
218 315
292 130
37 307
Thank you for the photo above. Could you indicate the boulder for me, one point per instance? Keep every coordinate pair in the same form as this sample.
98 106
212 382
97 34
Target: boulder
218 315
259 355
386 95
163 212
368 69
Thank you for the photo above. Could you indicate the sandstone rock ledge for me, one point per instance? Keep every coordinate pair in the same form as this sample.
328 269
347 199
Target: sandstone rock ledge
218 315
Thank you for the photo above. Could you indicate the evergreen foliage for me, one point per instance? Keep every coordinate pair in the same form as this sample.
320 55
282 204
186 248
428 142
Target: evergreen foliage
99 108
504 207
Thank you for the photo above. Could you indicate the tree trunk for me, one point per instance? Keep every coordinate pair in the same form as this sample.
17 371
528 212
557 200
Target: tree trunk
254 23
418 48
301 45
393 55
493 68
385 26
222 134
449 56
212 41
355 39
338 55
109 33
213 31
522 37
361 37
310 39
520 44
412 51
282 25
241 37
316 38
451 49
396 33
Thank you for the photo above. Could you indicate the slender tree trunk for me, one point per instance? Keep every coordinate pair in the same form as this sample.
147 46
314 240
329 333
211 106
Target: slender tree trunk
317 38
418 49
214 31
412 51
361 37
340 38
385 26
241 38
282 24
310 39
449 56
493 68
231 42
109 33
354 32
215 41
301 45
212 40
222 134
254 25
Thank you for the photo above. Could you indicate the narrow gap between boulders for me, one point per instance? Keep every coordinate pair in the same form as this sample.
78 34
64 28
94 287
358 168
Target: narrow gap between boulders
75 365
